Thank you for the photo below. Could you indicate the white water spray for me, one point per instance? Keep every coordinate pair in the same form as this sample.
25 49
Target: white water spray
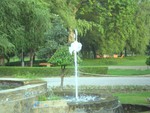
75 47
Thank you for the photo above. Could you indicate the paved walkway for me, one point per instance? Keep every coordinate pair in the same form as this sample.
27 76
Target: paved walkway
101 81
128 67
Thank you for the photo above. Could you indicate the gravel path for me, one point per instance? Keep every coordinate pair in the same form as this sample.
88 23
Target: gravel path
101 81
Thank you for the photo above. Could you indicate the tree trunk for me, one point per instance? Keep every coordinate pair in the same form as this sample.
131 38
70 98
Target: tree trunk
125 49
94 52
71 36
2 60
121 53
22 58
7 58
62 76
31 58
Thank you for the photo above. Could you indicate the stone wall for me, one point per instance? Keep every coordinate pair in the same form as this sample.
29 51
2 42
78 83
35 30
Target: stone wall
21 99
55 106
61 106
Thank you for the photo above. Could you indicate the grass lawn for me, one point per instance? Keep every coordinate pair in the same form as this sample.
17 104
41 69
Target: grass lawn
126 61
128 72
133 98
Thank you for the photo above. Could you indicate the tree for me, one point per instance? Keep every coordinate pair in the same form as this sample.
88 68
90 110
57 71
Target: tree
148 61
56 36
35 20
5 48
62 57
67 10
9 26
24 22
148 49
140 35
111 22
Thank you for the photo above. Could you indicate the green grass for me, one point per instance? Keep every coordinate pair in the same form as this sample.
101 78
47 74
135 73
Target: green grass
126 61
133 98
128 72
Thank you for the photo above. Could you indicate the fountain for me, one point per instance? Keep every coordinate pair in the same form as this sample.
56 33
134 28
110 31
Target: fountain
75 47
77 101
91 103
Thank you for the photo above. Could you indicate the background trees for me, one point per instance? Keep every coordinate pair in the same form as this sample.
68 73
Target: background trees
35 19
55 37
9 26
23 23
140 34
113 26
104 26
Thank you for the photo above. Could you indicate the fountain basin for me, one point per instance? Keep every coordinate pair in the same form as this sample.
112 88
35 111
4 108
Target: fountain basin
136 108
21 98
102 103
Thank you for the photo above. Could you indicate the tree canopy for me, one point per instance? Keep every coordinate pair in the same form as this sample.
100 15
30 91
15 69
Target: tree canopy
104 26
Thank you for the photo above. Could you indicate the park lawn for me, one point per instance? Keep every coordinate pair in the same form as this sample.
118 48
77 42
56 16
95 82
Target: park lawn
126 61
133 98
128 72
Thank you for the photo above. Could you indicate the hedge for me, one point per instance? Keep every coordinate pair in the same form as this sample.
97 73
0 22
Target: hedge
48 71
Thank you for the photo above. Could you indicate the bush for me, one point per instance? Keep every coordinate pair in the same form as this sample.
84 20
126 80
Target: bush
38 71
148 61
47 71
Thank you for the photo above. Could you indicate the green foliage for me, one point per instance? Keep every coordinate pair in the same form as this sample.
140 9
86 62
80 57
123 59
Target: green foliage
148 61
8 24
42 98
23 24
56 36
54 97
62 57
68 10
140 32
105 26
110 24
5 45
115 26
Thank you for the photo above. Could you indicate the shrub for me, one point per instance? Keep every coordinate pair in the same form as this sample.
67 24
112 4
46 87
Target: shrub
47 71
148 61
37 71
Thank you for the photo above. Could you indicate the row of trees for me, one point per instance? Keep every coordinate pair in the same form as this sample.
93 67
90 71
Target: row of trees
39 27
121 25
